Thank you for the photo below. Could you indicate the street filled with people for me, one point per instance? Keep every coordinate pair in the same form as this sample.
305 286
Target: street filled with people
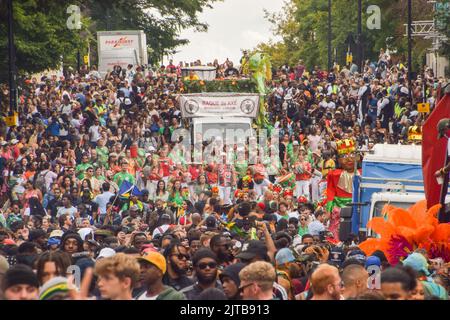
98 200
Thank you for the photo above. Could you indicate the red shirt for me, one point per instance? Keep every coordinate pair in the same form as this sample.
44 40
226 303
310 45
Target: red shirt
166 163
212 177
304 176
195 172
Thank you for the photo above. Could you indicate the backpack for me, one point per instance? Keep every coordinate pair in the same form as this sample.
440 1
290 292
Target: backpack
40 181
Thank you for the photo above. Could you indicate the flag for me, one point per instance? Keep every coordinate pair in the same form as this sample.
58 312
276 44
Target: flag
128 189
433 150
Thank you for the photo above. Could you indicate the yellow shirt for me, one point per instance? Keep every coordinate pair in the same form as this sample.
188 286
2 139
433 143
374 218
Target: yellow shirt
192 78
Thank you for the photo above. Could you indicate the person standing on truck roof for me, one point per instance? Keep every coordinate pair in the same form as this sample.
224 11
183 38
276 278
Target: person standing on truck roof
192 76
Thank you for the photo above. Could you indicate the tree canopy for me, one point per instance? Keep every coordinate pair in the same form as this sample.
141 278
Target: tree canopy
303 28
43 40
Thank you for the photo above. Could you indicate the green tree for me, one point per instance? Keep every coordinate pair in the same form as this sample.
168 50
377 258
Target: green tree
43 40
41 36
442 16
303 27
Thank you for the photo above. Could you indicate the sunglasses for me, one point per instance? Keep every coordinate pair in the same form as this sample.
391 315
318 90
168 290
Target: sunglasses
241 289
180 256
211 265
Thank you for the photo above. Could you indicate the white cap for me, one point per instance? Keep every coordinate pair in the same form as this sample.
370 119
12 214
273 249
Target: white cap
84 232
295 143
14 141
127 101
106 253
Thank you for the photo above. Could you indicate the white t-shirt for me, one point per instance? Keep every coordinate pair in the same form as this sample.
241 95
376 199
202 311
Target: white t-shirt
67 109
315 227
62 210
145 297
102 200
94 134
49 177
293 214
262 187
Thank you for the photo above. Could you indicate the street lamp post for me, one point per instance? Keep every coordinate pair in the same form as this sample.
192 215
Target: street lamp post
12 65
409 49
329 36
359 47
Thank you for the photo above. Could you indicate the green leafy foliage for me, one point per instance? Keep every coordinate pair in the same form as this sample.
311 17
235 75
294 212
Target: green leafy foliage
303 27
43 39
199 86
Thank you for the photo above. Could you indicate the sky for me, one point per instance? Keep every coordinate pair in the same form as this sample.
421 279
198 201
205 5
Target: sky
233 25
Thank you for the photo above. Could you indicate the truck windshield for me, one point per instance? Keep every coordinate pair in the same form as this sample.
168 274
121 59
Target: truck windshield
227 131
378 207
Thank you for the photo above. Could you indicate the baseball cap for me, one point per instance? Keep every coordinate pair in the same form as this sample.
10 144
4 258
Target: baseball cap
252 249
106 253
155 258
358 255
284 255
84 232
336 256
373 261
56 234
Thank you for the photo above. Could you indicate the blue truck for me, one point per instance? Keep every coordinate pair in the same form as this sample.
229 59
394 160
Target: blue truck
391 174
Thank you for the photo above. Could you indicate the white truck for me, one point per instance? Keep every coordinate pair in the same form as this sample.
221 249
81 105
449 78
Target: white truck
121 48
227 116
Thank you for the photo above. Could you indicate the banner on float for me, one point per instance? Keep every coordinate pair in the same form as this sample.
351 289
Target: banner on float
219 104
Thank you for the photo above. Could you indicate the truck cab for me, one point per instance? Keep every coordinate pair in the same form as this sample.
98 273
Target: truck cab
228 129
391 174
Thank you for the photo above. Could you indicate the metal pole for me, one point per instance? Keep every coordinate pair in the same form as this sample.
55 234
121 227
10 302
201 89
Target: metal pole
78 61
409 48
329 36
11 60
359 46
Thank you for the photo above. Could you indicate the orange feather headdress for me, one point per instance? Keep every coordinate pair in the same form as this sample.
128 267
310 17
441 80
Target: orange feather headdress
403 231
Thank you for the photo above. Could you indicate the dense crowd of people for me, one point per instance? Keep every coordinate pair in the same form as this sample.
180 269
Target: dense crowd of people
92 181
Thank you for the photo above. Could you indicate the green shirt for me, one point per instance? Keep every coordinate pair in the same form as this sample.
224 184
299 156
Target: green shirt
121 177
241 168
81 168
103 154
177 198
302 230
